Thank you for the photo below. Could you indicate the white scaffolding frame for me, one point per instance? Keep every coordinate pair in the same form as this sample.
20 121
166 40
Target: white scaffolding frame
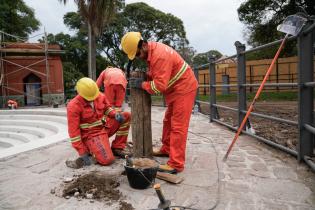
5 86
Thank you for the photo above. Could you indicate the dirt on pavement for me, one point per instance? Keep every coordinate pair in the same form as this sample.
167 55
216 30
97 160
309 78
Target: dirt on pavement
98 186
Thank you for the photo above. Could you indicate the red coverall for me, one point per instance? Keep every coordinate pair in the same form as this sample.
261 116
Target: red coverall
12 104
90 127
114 81
170 75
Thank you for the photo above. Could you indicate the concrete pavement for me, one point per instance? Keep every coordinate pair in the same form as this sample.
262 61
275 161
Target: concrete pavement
254 177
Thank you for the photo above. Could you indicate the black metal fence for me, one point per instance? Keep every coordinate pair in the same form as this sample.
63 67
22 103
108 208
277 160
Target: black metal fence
304 85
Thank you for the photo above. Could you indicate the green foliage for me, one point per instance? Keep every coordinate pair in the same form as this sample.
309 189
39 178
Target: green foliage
71 75
74 21
262 18
203 58
17 18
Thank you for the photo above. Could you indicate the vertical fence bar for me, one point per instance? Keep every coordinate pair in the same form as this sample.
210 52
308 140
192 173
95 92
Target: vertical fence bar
196 72
212 82
241 79
305 54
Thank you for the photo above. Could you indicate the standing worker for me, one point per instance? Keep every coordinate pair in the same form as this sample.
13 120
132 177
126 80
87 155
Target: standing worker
91 121
170 75
115 83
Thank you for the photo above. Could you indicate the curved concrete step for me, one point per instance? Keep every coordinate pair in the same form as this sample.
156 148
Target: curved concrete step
36 132
41 127
51 126
45 118
53 112
4 143
14 138
24 137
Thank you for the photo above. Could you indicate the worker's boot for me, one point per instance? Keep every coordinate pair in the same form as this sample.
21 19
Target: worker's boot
121 152
157 152
77 163
167 169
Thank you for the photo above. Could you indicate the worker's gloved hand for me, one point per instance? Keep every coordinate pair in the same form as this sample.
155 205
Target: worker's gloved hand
135 82
119 117
87 159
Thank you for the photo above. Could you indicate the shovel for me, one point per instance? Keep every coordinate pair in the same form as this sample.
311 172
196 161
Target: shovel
292 25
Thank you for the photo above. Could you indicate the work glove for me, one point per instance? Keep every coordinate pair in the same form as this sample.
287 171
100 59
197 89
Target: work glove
87 159
119 117
135 82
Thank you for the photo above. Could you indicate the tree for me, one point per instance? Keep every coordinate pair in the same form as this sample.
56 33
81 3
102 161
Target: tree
203 58
17 18
153 25
187 53
263 17
97 14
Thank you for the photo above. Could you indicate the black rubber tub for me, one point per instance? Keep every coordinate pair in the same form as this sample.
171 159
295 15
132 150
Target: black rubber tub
140 178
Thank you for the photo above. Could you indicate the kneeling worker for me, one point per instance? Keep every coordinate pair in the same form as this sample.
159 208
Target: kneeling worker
91 121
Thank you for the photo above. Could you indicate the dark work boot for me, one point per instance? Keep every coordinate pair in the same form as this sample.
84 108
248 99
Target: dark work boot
77 163
121 152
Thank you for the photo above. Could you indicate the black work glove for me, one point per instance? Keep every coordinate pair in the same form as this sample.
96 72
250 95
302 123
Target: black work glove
119 117
86 159
135 82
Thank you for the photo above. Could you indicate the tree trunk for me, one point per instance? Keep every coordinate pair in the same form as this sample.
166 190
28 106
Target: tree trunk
91 53
141 120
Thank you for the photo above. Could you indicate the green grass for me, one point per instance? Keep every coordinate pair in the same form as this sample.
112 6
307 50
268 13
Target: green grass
265 96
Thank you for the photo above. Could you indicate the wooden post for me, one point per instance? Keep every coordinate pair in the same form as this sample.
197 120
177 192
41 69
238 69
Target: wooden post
141 120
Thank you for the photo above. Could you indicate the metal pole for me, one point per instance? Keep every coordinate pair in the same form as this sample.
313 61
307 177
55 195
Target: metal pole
241 79
305 53
213 109
196 72
47 69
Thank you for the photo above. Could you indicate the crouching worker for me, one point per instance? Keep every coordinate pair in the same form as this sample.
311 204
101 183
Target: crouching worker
115 83
12 104
91 121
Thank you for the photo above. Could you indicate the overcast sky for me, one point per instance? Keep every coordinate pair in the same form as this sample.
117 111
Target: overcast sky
209 24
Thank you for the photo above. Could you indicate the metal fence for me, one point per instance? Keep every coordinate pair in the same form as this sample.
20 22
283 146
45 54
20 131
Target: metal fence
304 85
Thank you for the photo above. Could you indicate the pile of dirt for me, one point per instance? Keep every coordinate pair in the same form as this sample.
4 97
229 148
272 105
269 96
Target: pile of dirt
98 186
144 163
125 206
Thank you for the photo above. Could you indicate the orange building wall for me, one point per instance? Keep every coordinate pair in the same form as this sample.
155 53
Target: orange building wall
15 80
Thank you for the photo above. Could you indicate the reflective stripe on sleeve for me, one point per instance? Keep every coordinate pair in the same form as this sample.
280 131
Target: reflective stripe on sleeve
108 111
155 90
178 75
75 139
125 125
122 133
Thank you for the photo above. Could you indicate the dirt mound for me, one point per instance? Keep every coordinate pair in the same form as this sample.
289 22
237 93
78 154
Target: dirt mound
144 163
125 206
95 185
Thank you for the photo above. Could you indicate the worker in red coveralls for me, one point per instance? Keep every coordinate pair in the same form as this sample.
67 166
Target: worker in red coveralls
91 121
12 104
171 76
114 81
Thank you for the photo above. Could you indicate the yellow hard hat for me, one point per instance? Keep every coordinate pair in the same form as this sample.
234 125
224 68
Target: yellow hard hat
87 88
129 44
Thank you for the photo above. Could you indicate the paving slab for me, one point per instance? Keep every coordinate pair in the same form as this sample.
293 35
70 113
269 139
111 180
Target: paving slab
254 177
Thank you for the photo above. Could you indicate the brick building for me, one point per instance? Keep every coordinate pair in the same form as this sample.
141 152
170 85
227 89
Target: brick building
31 74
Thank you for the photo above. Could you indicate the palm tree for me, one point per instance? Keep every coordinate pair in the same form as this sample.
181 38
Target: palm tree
97 15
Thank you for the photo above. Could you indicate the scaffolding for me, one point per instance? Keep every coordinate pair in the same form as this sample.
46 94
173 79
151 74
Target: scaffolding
40 50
